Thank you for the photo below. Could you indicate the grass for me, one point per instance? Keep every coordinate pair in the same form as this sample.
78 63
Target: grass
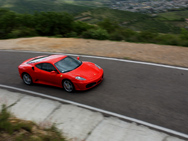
14 129
175 15
176 18
117 15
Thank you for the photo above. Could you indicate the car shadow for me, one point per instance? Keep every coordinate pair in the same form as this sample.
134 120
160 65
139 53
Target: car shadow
48 87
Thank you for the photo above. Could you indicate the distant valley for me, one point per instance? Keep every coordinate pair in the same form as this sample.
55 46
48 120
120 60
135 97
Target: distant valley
94 11
153 21
142 6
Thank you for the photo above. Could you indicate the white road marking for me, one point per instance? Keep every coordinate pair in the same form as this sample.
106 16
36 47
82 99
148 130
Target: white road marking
107 58
101 111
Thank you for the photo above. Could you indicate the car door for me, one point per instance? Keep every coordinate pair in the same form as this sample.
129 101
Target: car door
46 73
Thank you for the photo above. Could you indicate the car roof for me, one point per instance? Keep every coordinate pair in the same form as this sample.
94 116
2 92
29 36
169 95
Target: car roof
53 58
47 59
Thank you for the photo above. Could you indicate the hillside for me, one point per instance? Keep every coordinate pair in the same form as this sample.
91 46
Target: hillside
177 18
30 6
91 3
93 15
134 21
99 14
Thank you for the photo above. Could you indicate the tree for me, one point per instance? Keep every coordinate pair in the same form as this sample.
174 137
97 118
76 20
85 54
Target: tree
8 22
184 34
80 27
123 34
100 34
27 20
52 23
146 36
108 25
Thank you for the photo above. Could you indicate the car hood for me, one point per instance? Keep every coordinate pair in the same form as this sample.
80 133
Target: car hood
87 70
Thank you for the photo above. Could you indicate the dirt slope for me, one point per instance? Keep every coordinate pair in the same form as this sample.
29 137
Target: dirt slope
162 54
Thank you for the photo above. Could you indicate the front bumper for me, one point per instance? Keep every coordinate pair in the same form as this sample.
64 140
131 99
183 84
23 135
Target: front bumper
85 85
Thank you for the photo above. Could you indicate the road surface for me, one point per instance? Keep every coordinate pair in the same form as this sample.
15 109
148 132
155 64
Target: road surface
153 94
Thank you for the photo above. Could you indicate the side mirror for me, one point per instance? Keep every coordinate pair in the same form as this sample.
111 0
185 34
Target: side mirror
54 72
78 58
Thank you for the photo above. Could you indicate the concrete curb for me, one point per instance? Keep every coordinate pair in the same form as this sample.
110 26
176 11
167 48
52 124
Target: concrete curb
78 123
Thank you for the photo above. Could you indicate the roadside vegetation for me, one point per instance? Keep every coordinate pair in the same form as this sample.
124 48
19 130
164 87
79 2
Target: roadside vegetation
60 24
13 129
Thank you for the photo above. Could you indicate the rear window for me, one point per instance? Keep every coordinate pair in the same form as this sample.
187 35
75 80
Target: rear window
37 59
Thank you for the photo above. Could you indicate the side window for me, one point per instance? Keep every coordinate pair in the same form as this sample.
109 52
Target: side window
46 67
39 66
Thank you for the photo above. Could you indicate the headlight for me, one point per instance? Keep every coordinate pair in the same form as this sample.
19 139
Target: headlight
97 66
79 78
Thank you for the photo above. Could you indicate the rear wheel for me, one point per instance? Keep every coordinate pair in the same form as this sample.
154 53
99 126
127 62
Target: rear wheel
27 79
68 86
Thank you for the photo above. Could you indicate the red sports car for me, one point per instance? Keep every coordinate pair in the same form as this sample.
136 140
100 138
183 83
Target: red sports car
61 71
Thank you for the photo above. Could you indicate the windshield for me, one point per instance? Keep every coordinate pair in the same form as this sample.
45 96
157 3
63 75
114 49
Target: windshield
67 64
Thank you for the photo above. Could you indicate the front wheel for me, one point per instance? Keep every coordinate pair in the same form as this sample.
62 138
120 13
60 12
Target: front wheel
27 79
68 86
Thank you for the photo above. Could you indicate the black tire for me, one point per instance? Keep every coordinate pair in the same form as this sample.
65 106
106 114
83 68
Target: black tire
27 79
68 86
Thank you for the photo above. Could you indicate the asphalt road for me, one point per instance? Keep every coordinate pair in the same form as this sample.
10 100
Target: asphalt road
153 94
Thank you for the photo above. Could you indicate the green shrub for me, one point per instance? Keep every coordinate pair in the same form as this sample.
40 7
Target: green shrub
184 34
123 34
116 36
58 36
22 32
72 34
108 25
168 39
5 125
80 27
184 43
22 130
146 36
99 34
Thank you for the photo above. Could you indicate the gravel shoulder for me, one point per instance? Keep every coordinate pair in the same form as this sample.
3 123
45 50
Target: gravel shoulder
163 54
